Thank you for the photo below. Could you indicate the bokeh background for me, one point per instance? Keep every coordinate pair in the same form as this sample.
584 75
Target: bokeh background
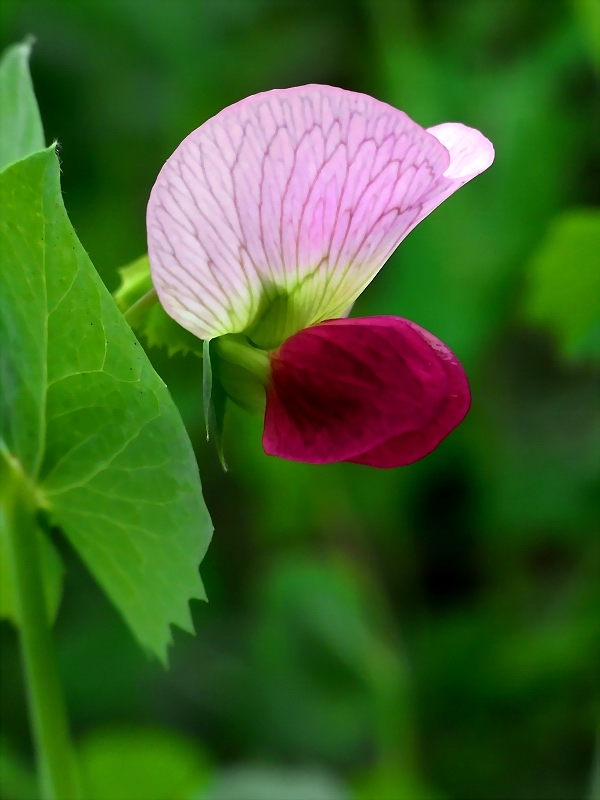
425 632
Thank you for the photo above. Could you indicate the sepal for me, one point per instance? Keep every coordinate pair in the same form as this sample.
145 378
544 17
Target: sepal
242 387
138 302
244 371
217 412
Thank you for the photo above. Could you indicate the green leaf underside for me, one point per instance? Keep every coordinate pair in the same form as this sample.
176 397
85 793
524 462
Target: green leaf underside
272 783
21 132
564 283
89 419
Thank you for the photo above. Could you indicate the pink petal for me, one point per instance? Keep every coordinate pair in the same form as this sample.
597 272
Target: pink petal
470 155
470 152
398 451
303 191
348 388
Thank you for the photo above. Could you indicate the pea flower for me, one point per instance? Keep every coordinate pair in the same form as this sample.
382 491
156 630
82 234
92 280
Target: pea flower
266 224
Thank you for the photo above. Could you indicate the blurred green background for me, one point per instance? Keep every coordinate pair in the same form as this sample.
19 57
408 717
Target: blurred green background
426 632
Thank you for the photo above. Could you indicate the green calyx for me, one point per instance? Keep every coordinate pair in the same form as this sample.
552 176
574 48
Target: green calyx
236 349
241 364
138 301
136 282
244 371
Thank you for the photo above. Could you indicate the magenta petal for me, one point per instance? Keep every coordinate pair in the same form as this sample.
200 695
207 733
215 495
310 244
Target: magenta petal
346 388
398 451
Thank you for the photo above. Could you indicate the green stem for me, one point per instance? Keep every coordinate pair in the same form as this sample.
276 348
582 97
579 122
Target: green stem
235 349
57 770
135 312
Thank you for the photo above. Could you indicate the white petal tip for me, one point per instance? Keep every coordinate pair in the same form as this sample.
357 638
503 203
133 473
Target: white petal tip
470 152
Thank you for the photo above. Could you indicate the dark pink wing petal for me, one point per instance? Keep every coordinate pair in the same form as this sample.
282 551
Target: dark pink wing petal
403 449
346 386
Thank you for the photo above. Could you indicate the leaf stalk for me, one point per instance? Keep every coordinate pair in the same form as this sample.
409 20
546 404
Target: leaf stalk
57 768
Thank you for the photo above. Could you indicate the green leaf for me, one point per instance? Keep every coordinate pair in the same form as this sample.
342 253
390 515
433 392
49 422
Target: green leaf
150 319
89 419
564 283
130 763
21 132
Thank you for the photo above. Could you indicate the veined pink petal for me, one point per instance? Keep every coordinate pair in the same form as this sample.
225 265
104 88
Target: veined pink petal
300 193
377 390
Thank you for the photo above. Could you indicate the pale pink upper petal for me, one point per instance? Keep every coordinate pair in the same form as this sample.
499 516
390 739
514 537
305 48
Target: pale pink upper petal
470 155
470 152
300 192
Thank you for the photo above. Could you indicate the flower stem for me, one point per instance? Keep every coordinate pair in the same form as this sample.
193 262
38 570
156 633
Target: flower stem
57 770
235 349
135 312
